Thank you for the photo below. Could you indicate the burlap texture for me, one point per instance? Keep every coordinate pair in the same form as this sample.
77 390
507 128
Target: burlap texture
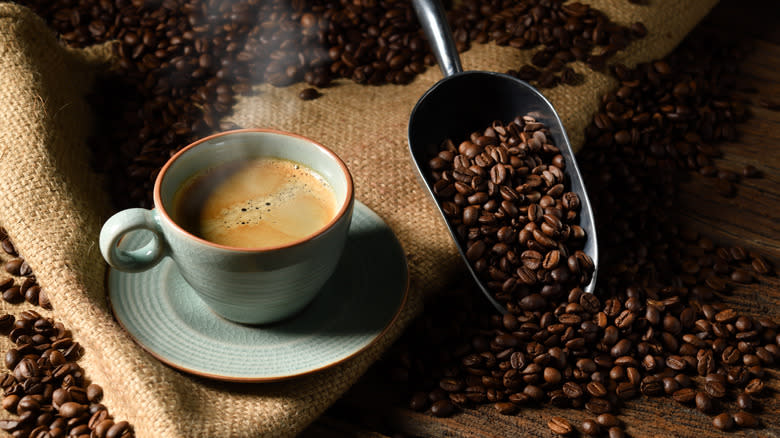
53 208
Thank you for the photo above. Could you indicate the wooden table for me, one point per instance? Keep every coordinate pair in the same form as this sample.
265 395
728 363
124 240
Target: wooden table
374 408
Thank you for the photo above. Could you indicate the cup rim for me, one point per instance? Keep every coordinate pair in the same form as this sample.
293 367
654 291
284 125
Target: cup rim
349 198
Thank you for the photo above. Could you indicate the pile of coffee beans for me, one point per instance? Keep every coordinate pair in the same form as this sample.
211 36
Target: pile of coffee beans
45 387
672 113
657 326
182 62
505 193
568 32
28 290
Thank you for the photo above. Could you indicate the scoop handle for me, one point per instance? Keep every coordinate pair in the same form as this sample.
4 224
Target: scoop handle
432 18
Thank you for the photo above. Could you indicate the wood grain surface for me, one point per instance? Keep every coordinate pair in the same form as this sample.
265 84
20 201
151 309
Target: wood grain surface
374 408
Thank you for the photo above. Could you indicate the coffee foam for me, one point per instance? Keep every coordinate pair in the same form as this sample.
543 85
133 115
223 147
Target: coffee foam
258 203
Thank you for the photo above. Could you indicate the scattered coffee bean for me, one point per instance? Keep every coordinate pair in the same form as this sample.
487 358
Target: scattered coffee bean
745 419
715 389
607 420
754 387
94 393
723 421
703 402
506 408
745 402
13 266
13 295
120 429
8 247
741 276
442 408
560 426
309 94
6 323
751 171
590 427
760 265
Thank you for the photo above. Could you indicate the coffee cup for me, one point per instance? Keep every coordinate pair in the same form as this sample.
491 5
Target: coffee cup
254 219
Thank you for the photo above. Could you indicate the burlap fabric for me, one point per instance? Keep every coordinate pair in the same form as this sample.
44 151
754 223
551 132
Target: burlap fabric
53 208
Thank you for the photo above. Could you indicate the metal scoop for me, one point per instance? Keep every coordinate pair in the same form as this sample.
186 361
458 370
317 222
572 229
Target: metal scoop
463 102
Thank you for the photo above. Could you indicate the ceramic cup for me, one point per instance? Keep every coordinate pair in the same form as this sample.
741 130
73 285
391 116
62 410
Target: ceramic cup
246 285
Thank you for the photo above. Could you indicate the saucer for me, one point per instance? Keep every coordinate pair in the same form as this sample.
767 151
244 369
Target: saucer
357 304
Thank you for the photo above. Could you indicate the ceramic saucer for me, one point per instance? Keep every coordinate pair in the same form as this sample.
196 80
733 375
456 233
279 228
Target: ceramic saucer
165 316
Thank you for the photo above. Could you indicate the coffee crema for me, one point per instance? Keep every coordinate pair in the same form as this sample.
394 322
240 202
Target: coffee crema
259 202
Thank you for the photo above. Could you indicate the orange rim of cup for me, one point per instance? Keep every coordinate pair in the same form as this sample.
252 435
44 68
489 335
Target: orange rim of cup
342 211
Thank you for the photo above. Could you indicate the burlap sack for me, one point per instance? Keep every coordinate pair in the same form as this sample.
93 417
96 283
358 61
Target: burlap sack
53 208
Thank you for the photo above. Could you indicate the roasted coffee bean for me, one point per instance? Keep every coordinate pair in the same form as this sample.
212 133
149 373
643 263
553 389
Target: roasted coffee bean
715 389
621 348
760 265
10 402
596 389
723 421
9 425
72 409
6 323
309 94
608 420
616 432
441 408
741 276
590 427
651 386
745 402
726 316
13 295
671 385
750 171
119 429
43 300
506 408
552 375
572 390
419 401
703 402
754 387
598 406
13 266
745 419
8 247
560 426
625 390
590 303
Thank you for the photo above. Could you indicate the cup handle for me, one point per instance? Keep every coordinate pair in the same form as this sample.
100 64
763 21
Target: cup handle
118 226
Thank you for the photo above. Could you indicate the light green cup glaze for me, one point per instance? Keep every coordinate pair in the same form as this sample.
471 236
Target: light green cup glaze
359 302
251 286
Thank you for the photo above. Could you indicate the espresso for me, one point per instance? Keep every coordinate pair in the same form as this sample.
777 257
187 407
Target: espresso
255 203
